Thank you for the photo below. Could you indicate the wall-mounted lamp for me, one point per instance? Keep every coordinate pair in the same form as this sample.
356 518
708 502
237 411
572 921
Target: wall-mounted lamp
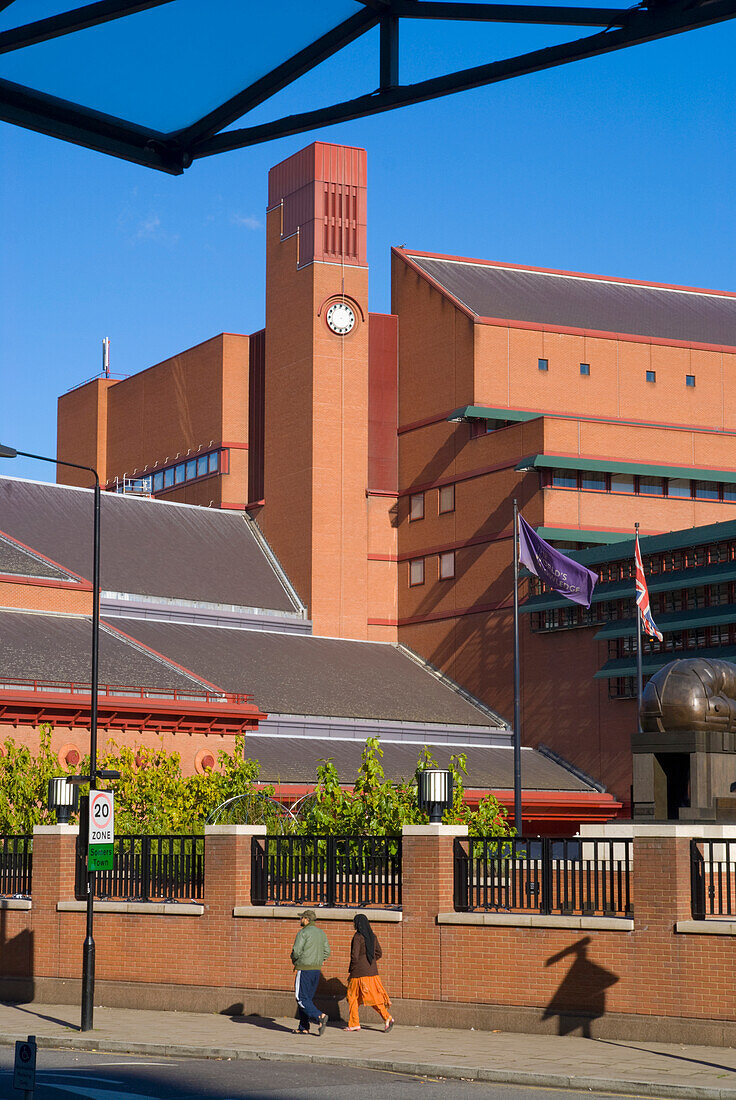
63 798
434 792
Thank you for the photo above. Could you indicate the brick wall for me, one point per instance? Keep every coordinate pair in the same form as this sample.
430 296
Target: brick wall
605 977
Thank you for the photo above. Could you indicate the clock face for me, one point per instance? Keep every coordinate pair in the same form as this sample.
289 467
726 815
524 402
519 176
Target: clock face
340 318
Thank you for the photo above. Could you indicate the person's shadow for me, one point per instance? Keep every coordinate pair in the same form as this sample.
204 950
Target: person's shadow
581 995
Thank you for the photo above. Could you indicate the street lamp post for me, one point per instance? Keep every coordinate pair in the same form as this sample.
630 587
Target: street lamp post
88 952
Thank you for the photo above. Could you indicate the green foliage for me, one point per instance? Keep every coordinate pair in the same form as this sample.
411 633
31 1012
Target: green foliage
24 783
152 795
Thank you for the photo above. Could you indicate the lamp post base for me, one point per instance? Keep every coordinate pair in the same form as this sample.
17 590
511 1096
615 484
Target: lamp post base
88 983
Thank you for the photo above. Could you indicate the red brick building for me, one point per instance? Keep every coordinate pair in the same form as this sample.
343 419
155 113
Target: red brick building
380 454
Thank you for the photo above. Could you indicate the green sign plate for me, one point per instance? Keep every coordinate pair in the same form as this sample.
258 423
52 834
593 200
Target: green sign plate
100 857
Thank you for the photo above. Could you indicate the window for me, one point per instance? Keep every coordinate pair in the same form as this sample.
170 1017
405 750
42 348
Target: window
651 486
169 477
213 458
447 565
565 479
706 490
543 364
622 483
689 379
585 368
158 482
447 499
651 376
416 572
180 473
191 469
496 425
678 487
201 465
416 506
593 481
729 492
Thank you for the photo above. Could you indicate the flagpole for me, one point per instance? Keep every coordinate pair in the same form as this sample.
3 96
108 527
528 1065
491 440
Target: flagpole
517 680
639 686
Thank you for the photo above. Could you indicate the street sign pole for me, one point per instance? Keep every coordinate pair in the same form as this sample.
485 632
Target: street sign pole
24 1068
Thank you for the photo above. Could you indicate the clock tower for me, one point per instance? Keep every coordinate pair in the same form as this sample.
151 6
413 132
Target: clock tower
316 382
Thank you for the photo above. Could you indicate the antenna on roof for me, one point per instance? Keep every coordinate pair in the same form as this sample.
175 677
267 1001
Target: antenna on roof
106 356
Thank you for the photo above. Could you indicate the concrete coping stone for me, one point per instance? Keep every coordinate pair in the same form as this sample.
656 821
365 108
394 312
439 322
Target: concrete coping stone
435 830
56 830
145 908
538 920
288 912
15 903
707 927
235 830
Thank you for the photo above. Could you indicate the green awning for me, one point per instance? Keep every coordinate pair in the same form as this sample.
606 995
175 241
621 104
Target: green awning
614 466
673 620
483 412
652 662
566 534
619 590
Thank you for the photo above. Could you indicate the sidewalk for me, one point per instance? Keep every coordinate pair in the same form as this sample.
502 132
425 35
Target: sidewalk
641 1069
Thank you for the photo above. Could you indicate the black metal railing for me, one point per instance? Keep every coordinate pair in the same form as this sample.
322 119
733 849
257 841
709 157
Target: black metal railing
713 878
588 877
16 865
327 870
148 868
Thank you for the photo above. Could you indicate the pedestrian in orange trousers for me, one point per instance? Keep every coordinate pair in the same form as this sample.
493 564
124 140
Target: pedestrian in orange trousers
364 985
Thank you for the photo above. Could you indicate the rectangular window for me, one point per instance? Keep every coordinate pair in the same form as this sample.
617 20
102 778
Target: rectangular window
707 490
191 469
179 473
158 482
689 379
169 477
678 487
416 506
651 376
565 479
416 572
201 465
447 499
729 492
543 364
213 458
651 486
622 483
585 368
593 481
447 565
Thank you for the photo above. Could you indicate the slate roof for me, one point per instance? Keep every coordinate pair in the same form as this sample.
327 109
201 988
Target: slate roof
148 547
303 674
19 562
58 648
579 301
295 760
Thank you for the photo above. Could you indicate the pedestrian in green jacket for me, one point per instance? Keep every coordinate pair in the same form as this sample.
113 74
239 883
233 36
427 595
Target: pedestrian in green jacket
308 955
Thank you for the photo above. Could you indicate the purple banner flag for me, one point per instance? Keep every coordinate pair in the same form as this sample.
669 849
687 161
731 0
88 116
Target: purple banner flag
566 576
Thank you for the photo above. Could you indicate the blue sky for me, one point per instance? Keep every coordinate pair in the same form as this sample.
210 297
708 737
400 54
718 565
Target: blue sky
623 165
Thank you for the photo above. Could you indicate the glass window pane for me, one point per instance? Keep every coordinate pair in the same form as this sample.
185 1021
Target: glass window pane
543 364
678 487
179 473
622 483
729 492
191 468
585 368
706 490
651 376
416 571
565 479
447 565
651 486
447 498
416 506
169 476
590 480
201 465
158 482
214 461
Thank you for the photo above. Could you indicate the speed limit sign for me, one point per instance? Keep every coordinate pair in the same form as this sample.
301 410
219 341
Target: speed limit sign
101 817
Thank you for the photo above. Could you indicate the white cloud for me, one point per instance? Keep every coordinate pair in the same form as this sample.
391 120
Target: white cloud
246 220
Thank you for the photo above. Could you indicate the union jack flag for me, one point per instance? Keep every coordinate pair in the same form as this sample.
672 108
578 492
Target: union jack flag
642 596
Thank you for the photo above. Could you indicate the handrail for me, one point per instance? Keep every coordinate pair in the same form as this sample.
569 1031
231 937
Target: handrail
71 687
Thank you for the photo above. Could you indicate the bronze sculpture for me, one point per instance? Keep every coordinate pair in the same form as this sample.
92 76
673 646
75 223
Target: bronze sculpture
695 693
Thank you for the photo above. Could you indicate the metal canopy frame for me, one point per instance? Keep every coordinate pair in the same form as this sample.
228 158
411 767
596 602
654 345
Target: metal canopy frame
173 152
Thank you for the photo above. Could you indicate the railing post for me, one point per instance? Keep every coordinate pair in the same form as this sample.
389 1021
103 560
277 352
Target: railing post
331 871
697 881
545 905
146 868
258 886
461 875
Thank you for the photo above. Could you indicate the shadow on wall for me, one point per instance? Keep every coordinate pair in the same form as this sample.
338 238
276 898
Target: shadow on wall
16 964
580 997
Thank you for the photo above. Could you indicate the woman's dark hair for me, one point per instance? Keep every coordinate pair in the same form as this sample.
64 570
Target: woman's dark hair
362 925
